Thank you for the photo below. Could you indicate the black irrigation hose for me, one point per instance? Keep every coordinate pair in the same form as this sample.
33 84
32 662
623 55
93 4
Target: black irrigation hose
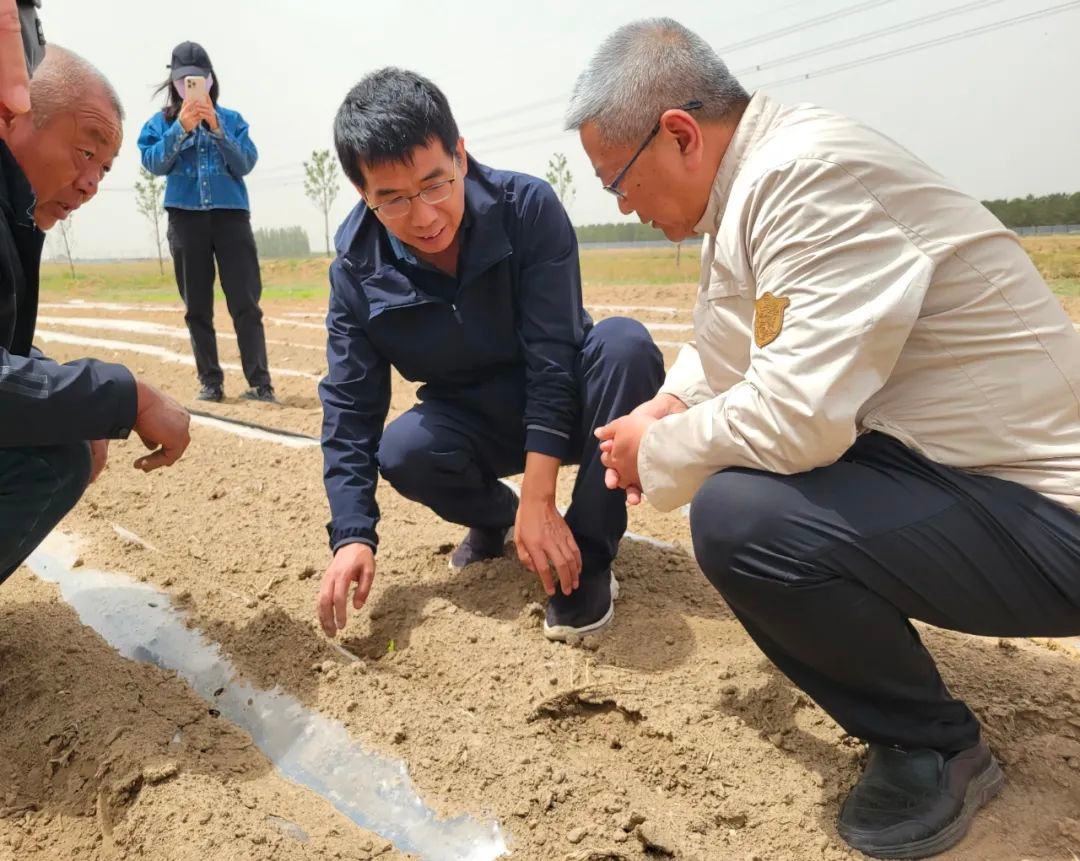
254 426
645 539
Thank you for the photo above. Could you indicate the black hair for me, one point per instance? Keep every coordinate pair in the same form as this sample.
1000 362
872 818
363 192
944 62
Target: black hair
386 116
175 101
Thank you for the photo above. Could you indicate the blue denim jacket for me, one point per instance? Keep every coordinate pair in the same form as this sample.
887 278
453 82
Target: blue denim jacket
205 169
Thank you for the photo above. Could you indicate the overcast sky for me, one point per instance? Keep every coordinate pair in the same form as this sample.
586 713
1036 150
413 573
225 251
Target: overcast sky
997 112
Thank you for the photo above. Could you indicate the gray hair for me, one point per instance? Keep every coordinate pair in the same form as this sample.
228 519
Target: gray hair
645 68
62 81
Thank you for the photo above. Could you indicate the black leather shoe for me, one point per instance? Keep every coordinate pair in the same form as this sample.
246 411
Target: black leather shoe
914 804
210 392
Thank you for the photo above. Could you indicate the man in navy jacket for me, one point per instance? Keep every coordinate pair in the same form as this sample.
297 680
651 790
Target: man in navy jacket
466 279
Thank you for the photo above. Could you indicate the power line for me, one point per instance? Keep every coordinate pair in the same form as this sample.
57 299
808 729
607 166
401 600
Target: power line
929 43
495 137
520 144
790 58
874 58
253 179
755 40
802 25
279 170
509 133
873 34
513 112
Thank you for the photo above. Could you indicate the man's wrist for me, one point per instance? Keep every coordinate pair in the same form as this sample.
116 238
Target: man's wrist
540 480
143 397
671 404
536 499
353 545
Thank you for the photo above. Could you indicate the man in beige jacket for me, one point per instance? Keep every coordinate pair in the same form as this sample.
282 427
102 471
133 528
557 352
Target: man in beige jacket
877 421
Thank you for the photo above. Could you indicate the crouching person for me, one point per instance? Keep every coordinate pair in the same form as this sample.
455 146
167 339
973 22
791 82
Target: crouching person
877 422
466 279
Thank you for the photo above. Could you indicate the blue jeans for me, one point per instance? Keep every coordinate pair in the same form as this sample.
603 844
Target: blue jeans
38 486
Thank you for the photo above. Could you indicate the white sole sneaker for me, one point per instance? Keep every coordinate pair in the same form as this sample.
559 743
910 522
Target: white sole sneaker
561 633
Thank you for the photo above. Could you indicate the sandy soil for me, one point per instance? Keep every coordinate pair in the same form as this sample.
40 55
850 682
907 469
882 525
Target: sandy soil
669 736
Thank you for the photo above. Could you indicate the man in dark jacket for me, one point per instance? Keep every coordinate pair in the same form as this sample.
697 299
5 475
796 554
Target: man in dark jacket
56 420
466 279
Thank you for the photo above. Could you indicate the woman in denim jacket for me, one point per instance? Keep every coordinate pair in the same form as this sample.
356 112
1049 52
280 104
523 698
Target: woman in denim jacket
205 152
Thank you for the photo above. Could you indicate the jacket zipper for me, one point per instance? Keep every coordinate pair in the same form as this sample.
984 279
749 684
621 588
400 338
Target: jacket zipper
351 265
426 300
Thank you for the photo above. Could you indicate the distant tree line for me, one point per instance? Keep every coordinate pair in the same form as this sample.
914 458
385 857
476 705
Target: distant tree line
1030 211
282 242
1027 211
627 232
1034 211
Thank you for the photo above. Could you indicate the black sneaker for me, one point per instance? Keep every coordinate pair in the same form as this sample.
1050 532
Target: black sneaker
914 804
260 393
587 610
210 392
479 545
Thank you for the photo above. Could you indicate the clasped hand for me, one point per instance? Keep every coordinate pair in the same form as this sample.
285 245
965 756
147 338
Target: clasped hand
620 443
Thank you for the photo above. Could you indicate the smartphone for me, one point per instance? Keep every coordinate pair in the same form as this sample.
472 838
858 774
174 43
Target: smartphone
195 89
33 36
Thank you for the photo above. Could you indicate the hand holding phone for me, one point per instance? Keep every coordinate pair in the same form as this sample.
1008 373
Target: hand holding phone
198 106
195 89
191 114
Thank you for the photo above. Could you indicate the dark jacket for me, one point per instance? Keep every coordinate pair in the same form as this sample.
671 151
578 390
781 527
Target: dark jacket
42 402
501 338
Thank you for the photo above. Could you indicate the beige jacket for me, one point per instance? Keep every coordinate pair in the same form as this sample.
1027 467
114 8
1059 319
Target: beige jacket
847 287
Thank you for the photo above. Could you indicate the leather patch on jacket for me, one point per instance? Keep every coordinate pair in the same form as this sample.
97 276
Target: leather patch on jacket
768 318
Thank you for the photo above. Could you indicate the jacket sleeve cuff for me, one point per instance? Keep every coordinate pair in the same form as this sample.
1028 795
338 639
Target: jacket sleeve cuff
356 533
174 137
546 441
127 399
345 541
660 477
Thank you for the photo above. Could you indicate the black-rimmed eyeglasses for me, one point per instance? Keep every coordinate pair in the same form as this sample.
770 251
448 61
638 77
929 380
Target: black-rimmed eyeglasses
436 193
613 186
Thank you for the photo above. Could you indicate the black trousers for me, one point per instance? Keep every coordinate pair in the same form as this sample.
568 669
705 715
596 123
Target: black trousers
825 569
38 487
450 457
196 238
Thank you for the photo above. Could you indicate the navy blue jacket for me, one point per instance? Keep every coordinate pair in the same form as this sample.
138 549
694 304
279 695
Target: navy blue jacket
42 402
504 336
